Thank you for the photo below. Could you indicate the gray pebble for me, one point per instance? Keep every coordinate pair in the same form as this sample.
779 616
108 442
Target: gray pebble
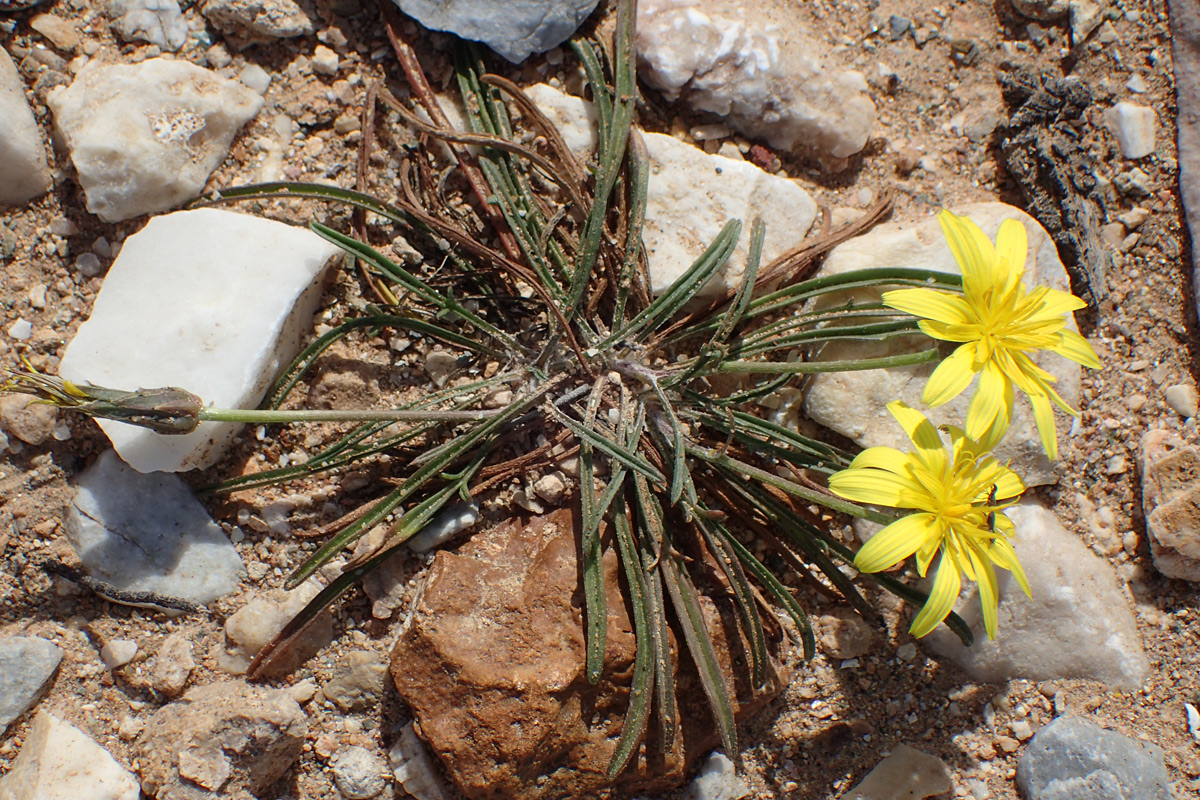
1074 758
358 773
27 664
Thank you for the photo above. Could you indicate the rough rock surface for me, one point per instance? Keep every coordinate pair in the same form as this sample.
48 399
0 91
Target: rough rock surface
692 195
159 22
358 773
906 774
60 762
31 422
145 137
515 29
173 665
23 171
247 22
757 70
257 622
222 301
854 403
357 683
220 741
147 533
1074 758
1171 503
27 665
493 668
1077 625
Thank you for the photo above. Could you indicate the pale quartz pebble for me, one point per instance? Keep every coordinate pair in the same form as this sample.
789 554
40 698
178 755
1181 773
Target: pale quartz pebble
906 774
717 779
222 301
21 330
118 652
1182 399
252 626
58 760
691 196
1133 126
324 61
255 78
24 173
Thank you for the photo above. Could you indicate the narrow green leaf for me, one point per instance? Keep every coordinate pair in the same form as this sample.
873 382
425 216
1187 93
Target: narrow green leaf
641 687
719 544
811 367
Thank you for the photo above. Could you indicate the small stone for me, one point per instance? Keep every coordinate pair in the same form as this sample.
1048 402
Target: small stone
1182 399
60 761
221 300
1137 84
303 691
229 738
514 30
89 265
118 652
1134 218
1113 234
255 78
59 32
257 622
717 780
440 365
247 22
31 422
906 652
1171 503
1086 16
21 330
358 682
1041 9
145 137
173 665
1072 757
550 488
898 26
23 171
27 665
844 634
1135 402
324 61
1134 183
906 773
358 773
907 160
1133 126
1022 729
1107 34
147 533
159 22
1008 744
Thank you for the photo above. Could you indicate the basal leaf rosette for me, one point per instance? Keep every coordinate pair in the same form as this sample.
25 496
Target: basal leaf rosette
999 322
958 495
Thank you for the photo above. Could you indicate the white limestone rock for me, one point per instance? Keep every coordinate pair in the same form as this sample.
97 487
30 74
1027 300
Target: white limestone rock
692 195
257 622
1133 125
1077 625
145 137
1171 503
854 403
147 533
906 774
759 70
61 762
211 301
23 171
159 22
247 22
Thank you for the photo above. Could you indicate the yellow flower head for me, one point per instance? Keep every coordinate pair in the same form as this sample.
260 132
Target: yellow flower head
999 322
958 494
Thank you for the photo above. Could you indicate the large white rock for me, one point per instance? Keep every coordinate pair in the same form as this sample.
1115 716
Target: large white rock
758 69
854 403
23 172
1077 625
61 762
145 137
692 195
210 301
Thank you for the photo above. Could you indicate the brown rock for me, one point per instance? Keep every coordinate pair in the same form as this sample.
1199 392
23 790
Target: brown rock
844 634
223 740
29 421
1171 503
493 668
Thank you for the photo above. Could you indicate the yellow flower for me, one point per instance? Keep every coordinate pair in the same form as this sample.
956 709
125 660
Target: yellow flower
1000 322
959 495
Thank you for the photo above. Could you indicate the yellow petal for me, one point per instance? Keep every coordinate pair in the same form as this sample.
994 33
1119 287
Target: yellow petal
946 585
1008 484
919 429
872 486
1011 250
989 593
949 333
971 249
1005 556
950 309
1073 346
951 377
990 411
894 543
1056 303
887 458
1043 414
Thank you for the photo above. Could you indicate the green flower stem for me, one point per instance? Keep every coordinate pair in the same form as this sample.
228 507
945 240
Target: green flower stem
809 367
343 415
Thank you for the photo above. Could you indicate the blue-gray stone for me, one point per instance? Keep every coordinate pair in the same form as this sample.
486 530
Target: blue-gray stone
147 533
1074 759
27 664
514 28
